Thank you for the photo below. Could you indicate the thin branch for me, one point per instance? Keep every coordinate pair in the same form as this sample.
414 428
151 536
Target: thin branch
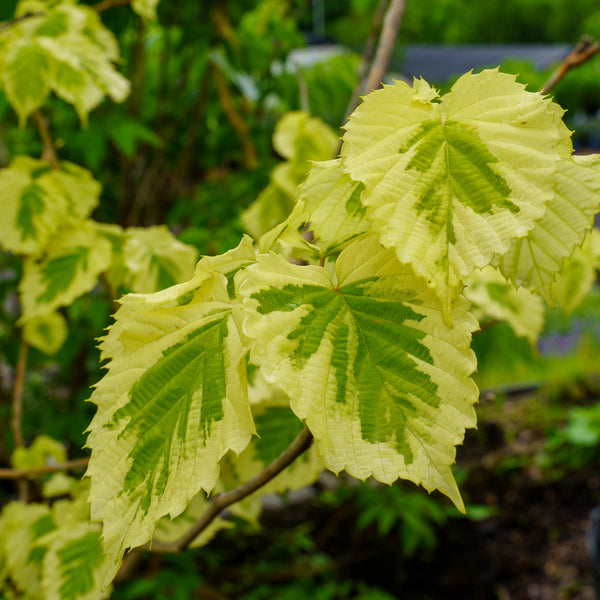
389 33
585 49
367 57
106 4
23 17
235 119
17 396
221 501
49 152
23 473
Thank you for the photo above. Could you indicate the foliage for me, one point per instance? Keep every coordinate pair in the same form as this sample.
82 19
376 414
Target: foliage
347 321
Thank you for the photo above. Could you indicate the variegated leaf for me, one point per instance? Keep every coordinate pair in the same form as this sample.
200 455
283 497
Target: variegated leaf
329 206
74 566
31 211
21 525
156 259
449 185
367 360
26 76
173 402
535 260
69 268
576 278
498 298
277 427
47 332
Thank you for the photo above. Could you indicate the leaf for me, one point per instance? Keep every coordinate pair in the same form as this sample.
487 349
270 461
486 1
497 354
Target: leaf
449 185
576 278
74 566
270 208
67 50
117 270
535 260
170 530
46 333
145 8
496 297
31 211
21 525
76 185
26 77
328 206
155 259
70 267
367 360
299 137
42 452
277 427
173 402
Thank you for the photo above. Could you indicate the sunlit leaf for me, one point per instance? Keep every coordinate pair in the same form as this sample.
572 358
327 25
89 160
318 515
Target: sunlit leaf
70 267
173 402
496 297
155 259
576 278
535 260
21 525
367 360
145 8
47 333
74 567
31 211
450 184
26 77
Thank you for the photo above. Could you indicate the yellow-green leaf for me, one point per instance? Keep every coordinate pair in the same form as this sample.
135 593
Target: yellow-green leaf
74 567
496 297
155 259
26 75
173 402
576 278
535 260
450 184
43 451
47 333
367 360
145 8
31 211
69 268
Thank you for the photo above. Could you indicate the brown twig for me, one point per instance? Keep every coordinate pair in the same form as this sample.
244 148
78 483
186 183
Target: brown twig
23 473
367 57
23 17
49 151
389 33
235 120
17 395
584 50
106 4
221 501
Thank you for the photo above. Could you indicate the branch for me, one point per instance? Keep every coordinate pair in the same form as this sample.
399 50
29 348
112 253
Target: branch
23 473
391 26
367 57
584 50
235 120
49 152
221 501
17 396
106 4
23 17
